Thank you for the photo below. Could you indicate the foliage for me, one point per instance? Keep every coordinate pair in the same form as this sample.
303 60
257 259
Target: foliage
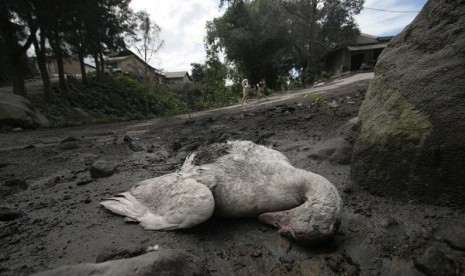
271 38
122 98
144 37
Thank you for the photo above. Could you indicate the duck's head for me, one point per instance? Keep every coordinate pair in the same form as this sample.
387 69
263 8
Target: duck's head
307 228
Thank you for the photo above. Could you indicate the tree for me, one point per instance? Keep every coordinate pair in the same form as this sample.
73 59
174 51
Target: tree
198 72
268 39
145 38
16 37
326 23
255 36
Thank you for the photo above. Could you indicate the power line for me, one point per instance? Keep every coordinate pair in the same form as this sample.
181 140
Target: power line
389 10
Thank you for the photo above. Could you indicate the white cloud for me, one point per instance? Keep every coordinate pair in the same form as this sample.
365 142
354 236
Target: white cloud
182 24
387 23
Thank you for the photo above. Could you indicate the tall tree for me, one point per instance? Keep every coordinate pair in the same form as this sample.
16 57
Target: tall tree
16 37
145 38
266 39
326 23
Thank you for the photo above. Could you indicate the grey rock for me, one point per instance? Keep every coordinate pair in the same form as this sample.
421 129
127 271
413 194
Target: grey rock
101 168
163 262
7 214
12 186
454 236
135 146
337 150
435 263
18 112
412 115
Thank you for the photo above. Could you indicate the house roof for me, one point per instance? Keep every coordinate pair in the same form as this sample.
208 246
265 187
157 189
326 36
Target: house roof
364 39
122 55
176 75
367 47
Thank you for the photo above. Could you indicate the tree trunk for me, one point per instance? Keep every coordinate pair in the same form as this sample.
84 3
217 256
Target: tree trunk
59 59
18 76
42 63
102 62
83 68
98 72
310 49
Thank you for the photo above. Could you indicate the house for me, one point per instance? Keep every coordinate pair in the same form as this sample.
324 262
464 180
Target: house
177 77
361 54
71 66
129 63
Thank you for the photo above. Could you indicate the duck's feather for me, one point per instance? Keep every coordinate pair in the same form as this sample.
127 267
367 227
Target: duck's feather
164 203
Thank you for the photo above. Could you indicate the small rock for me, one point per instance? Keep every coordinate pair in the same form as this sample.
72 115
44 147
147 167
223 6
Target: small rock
127 139
435 263
134 146
389 222
151 149
69 139
101 168
256 254
454 236
12 186
7 214
334 104
83 181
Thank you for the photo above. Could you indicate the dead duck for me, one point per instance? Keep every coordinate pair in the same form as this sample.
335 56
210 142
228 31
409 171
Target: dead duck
235 179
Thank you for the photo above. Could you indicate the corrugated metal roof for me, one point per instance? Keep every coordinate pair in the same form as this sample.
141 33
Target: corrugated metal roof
367 47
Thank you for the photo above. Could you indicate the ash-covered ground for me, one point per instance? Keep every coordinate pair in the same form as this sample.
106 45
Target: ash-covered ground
50 214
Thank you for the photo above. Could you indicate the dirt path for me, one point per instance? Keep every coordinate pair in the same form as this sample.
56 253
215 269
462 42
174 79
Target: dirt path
50 214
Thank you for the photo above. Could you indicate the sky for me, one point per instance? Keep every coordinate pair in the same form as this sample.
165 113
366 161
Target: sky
183 22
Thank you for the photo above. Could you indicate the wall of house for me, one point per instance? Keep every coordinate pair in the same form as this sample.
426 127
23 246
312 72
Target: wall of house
338 61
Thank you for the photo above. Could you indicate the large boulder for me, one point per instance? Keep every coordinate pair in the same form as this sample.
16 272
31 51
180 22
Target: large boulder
412 137
163 262
17 111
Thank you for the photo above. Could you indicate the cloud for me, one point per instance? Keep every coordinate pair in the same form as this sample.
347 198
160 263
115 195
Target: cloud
387 23
183 29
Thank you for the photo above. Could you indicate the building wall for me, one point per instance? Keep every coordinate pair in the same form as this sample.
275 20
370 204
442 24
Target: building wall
135 67
71 66
338 61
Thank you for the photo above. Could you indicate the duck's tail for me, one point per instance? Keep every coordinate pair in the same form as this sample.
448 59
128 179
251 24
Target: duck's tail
125 204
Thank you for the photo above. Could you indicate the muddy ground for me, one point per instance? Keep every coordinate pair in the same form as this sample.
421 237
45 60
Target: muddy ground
50 214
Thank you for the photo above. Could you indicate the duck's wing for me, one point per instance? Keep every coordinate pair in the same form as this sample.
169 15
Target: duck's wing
164 203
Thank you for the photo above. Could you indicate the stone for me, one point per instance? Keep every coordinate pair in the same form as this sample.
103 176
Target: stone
101 168
12 186
337 150
18 112
411 121
454 236
162 262
434 262
135 146
7 214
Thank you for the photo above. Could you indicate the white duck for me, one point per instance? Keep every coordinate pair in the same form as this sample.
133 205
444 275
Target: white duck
235 179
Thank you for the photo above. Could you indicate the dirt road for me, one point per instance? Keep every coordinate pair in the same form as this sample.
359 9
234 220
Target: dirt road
50 214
